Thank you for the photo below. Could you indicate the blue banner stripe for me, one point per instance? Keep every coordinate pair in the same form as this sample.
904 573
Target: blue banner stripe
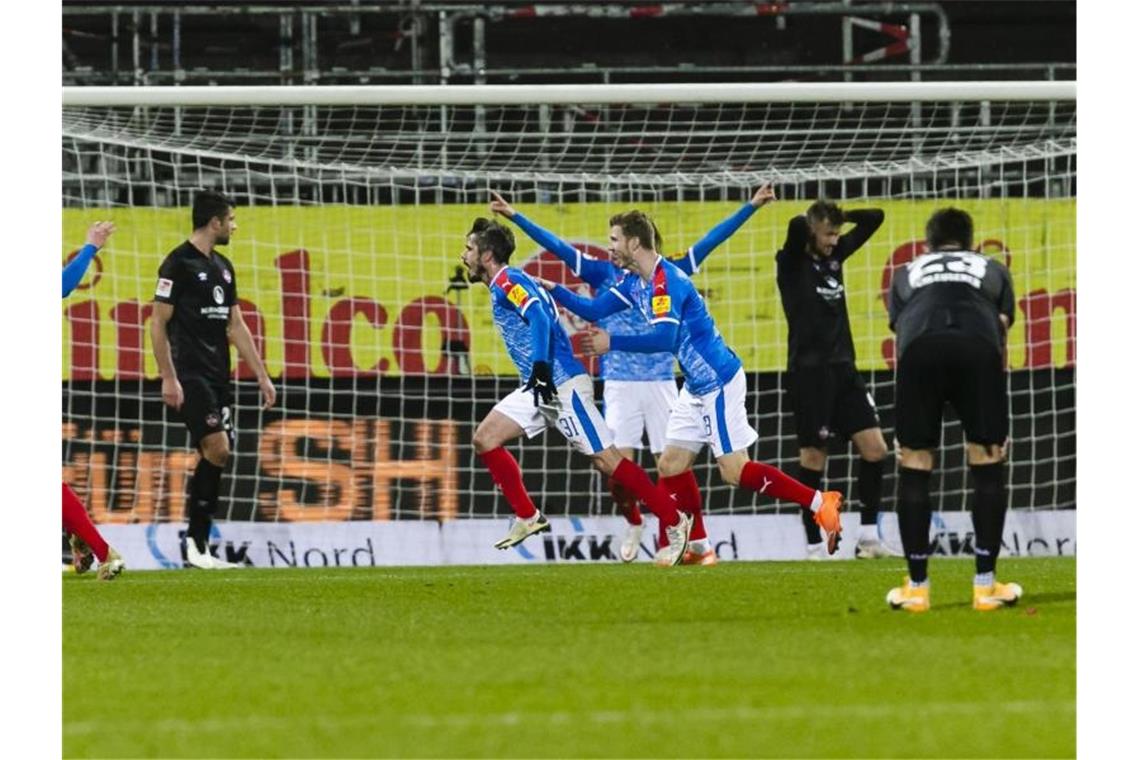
591 433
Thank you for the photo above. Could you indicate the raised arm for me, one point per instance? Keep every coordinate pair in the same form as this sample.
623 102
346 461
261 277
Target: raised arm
866 221
97 235
591 270
700 251
794 244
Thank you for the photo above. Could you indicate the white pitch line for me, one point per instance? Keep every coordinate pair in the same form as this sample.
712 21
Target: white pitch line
743 713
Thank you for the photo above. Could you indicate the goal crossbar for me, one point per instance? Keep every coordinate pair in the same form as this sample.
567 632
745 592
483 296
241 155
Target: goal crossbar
365 95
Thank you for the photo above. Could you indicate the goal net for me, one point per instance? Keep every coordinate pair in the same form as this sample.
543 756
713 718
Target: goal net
352 211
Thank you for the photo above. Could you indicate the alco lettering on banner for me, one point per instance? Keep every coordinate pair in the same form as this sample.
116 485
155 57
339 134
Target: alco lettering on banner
319 317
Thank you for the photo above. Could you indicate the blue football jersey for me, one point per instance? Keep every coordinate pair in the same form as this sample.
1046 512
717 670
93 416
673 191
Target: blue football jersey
514 299
707 362
628 365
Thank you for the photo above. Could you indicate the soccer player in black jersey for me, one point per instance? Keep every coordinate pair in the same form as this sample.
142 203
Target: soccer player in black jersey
827 394
950 309
196 317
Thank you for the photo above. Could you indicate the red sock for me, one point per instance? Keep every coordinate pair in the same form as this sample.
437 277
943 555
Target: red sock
766 479
507 475
685 490
77 523
655 498
626 501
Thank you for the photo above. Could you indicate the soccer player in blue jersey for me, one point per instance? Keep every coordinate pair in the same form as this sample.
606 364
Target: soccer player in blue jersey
710 409
640 389
558 393
87 544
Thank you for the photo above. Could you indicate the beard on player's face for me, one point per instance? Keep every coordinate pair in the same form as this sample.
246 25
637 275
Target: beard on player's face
476 270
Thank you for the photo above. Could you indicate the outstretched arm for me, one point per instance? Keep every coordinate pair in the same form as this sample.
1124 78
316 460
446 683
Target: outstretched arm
590 309
97 235
593 271
663 337
723 231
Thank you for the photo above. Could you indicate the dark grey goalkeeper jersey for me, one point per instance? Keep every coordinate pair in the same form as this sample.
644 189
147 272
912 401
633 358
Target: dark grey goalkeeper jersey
951 291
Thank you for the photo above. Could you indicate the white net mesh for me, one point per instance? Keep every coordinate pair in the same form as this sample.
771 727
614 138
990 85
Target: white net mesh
351 220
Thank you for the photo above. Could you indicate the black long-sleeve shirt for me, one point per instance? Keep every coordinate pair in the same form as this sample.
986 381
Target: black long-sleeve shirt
811 290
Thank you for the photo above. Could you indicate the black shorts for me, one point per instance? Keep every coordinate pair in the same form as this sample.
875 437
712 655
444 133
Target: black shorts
954 368
207 408
828 402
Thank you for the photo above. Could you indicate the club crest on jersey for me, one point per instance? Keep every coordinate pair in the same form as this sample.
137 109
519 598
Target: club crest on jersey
219 295
164 287
661 305
517 295
227 276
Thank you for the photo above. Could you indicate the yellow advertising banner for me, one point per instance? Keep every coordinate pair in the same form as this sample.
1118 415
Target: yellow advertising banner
358 291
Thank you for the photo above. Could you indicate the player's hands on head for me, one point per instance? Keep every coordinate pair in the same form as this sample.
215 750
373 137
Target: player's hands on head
98 233
172 392
268 392
763 196
595 342
500 206
541 383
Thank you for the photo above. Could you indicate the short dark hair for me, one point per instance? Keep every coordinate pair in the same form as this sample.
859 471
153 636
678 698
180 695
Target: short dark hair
478 225
637 224
209 205
494 237
825 211
948 226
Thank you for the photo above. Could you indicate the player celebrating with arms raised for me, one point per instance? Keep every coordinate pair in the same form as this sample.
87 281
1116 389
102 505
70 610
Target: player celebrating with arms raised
640 389
711 407
558 393
827 394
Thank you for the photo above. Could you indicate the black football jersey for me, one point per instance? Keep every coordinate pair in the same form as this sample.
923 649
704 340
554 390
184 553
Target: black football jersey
951 291
813 295
202 290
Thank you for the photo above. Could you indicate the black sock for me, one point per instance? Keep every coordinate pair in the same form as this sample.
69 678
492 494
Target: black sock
204 488
811 479
914 519
989 514
870 491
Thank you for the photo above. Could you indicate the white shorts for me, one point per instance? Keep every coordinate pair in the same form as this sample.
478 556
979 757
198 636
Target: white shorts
633 406
573 413
718 419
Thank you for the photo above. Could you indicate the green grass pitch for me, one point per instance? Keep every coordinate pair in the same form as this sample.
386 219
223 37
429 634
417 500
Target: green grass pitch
742 659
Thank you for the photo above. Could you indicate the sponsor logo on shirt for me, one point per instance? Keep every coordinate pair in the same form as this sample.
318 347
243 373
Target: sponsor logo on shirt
661 305
164 287
219 295
517 295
